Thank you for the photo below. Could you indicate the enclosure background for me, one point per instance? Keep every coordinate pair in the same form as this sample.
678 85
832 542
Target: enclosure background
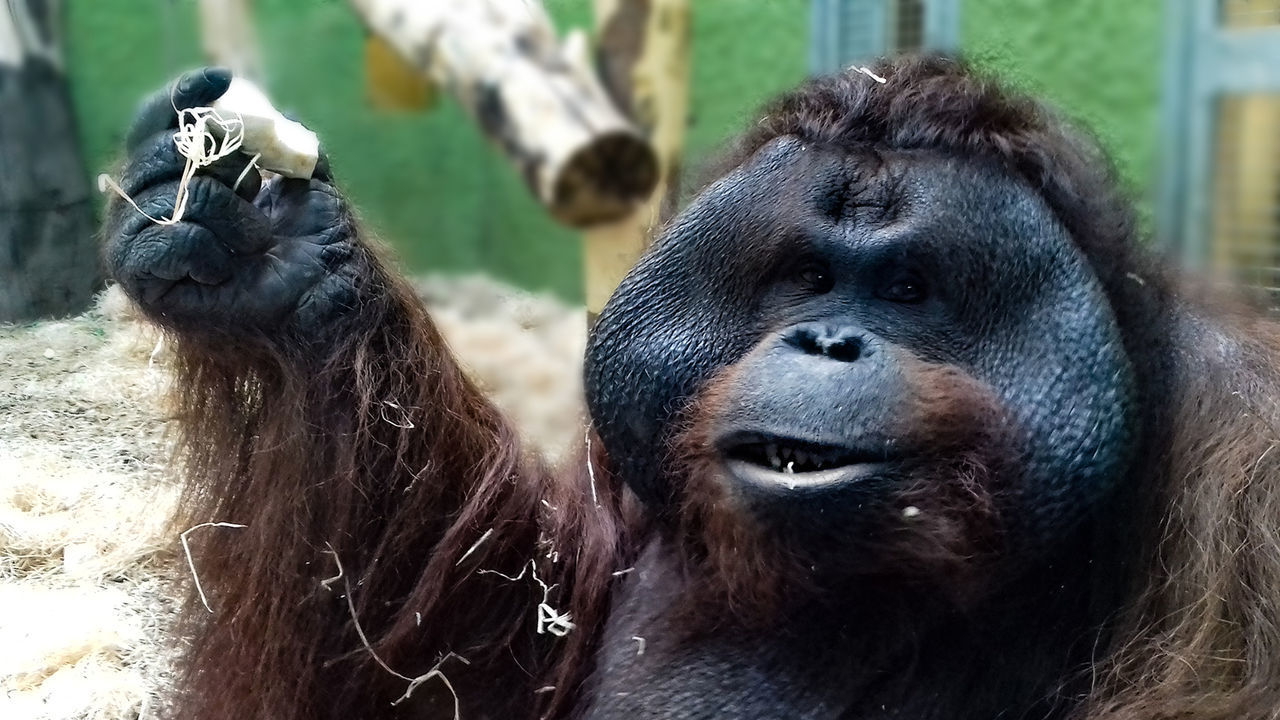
429 184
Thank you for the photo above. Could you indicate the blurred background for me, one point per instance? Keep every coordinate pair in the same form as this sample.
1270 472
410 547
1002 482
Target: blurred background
1184 81
486 137
1182 93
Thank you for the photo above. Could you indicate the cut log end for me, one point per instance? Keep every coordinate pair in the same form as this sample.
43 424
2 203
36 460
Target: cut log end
604 180
538 99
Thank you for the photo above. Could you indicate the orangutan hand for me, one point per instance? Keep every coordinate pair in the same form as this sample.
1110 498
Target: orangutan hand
253 259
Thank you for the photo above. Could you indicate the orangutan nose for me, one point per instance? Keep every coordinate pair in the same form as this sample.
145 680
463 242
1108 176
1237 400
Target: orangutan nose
841 343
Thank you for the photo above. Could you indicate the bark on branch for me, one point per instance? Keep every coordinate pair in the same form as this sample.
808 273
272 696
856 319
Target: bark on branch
538 98
644 58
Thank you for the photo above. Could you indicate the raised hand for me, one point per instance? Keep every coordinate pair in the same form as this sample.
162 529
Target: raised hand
274 261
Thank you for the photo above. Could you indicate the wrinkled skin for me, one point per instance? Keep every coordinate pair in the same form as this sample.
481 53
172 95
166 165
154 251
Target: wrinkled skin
819 298
272 256
820 281
887 257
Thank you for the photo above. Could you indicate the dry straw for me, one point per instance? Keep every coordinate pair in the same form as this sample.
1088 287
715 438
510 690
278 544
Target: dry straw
414 682
198 142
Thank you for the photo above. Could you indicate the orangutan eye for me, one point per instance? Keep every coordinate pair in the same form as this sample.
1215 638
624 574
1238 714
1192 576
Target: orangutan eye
816 278
905 288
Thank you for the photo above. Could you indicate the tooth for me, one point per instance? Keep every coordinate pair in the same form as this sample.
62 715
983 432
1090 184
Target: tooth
791 468
775 461
802 458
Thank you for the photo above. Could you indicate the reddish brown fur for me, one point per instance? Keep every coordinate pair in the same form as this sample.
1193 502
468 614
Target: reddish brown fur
1200 636
300 453
735 567
311 457
745 565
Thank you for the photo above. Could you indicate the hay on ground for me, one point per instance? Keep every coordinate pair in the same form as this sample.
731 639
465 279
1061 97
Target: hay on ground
90 567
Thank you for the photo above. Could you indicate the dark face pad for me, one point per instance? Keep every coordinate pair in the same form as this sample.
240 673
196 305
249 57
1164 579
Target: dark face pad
1012 302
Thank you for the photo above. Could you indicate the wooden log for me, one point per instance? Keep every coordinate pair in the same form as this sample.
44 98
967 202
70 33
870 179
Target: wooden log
390 82
48 252
537 98
644 60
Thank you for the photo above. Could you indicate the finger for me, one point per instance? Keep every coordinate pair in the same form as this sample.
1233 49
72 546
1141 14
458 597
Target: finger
152 265
235 222
322 172
334 296
307 208
194 89
247 181
157 161
200 307
180 252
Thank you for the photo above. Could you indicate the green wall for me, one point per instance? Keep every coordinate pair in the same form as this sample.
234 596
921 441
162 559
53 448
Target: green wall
432 187
426 182
1098 60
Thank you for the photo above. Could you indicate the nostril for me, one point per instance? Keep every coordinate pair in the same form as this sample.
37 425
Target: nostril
806 338
840 344
844 349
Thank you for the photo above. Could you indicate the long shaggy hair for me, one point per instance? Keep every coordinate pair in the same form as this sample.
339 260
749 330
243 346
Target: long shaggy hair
1199 633
377 471
378 453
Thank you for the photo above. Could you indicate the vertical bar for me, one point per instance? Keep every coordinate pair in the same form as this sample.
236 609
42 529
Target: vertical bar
1200 106
877 19
1180 48
942 25
857 31
837 31
892 20
824 34
843 32
816 61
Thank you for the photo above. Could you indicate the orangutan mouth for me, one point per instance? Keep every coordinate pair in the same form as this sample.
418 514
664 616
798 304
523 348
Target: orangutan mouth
789 461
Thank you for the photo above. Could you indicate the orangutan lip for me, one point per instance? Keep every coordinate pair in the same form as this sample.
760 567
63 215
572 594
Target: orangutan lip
765 478
790 461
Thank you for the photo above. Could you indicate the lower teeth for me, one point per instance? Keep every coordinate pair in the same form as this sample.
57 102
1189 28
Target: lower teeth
791 461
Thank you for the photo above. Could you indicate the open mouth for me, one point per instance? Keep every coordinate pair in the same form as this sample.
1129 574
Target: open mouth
794 462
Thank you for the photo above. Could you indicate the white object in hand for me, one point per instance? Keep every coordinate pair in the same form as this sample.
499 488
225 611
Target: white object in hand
282 145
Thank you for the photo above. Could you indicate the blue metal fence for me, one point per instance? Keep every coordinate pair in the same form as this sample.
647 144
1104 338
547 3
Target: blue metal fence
845 32
1222 55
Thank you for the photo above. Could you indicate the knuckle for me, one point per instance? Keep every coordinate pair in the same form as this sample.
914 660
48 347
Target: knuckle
150 166
332 296
335 255
205 191
140 255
